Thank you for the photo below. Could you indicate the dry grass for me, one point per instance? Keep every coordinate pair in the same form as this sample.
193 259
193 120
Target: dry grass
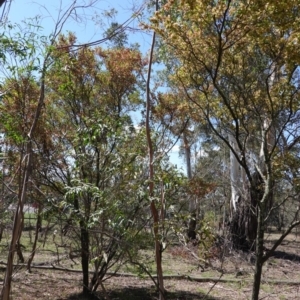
235 272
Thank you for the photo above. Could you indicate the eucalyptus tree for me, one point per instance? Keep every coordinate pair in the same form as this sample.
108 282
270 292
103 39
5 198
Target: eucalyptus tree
25 55
179 118
151 152
94 152
239 65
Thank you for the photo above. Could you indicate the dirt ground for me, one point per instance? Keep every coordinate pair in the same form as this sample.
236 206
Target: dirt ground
223 278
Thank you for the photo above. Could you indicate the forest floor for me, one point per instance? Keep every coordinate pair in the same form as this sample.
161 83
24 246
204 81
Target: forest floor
227 278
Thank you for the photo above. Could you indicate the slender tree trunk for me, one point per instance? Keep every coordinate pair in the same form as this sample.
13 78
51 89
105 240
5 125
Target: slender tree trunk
18 244
264 171
1 231
17 226
19 251
154 210
84 239
37 230
192 203
84 244
187 150
19 215
259 252
259 249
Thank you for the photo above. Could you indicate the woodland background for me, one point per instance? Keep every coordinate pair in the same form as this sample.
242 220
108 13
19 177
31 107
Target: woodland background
87 129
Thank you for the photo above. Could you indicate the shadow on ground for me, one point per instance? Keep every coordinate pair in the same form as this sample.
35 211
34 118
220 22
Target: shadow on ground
132 293
287 256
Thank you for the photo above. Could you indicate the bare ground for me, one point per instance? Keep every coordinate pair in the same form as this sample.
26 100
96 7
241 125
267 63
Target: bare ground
228 278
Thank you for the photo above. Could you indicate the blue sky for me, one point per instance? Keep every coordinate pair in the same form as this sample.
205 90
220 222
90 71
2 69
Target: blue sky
91 26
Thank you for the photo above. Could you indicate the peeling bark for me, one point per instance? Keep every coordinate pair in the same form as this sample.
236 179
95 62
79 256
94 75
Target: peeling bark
235 174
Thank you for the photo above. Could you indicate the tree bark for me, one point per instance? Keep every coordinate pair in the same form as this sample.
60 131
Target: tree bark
242 220
153 208
84 240
84 244
191 233
37 230
17 226
235 174
264 171
259 253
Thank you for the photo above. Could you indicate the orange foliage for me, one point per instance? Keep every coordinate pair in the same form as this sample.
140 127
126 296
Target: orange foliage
199 187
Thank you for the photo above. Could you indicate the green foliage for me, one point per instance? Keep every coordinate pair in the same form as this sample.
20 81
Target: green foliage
206 233
117 35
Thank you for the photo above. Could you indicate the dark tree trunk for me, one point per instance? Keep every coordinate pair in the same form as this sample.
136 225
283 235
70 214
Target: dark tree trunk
265 191
18 243
101 271
37 230
84 239
85 255
239 228
243 226
1 233
259 253
19 252
192 227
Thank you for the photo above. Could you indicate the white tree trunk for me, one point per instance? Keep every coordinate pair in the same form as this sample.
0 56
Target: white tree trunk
235 174
187 152
268 136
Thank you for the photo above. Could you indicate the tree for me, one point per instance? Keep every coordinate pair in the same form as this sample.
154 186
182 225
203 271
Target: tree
179 118
116 37
239 66
28 64
153 207
26 135
90 94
